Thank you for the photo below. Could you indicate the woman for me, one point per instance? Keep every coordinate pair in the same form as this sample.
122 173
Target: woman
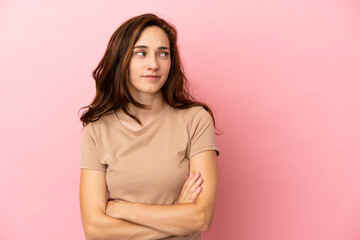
143 136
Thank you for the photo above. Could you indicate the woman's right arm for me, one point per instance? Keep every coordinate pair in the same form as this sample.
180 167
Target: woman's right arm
98 225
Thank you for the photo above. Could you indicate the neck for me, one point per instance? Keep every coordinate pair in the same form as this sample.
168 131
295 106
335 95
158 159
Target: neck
154 101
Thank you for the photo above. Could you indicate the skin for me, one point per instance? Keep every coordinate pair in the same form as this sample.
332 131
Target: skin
192 211
190 189
151 56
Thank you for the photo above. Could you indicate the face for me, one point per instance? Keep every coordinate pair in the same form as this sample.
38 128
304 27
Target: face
150 63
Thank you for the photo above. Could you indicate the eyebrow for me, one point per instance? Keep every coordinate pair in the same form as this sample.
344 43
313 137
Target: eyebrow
143 46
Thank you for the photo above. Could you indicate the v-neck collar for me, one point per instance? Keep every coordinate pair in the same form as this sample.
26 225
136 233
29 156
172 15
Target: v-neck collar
144 129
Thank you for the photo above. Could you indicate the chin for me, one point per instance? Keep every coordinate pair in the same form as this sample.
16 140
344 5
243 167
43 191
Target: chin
151 91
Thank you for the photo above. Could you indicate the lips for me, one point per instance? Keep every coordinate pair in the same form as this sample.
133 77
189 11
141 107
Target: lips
152 76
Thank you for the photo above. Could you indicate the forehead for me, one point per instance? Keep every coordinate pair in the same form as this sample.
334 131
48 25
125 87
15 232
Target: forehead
153 36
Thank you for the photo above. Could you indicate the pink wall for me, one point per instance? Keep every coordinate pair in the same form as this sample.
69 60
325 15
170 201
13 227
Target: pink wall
282 78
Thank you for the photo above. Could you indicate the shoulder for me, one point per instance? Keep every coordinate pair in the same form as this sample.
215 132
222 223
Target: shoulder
191 116
189 113
105 122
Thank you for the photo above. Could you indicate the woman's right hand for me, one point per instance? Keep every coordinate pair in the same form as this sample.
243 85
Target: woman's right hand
190 190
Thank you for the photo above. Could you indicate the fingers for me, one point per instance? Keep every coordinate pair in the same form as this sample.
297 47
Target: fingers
190 177
195 194
194 182
195 190
191 189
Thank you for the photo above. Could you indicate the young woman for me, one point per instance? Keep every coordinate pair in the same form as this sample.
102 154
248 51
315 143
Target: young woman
144 139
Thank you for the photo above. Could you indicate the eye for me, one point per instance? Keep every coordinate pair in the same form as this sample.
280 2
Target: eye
164 54
140 53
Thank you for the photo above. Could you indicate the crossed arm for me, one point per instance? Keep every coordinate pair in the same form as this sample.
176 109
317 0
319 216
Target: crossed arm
102 220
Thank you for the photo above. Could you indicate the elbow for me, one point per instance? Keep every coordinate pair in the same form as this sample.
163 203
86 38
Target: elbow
206 221
204 227
91 231
198 223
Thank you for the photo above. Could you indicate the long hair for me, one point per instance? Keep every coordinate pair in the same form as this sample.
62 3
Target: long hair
112 73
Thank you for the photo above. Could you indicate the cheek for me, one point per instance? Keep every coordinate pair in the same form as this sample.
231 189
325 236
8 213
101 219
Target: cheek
134 68
167 66
133 73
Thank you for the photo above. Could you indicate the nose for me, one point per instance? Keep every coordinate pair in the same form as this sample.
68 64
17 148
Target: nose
152 63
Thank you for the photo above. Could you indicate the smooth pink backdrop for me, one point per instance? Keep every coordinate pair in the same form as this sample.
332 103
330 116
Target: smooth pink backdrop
281 76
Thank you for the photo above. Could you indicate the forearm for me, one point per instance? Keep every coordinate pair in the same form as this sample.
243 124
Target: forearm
178 219
106 227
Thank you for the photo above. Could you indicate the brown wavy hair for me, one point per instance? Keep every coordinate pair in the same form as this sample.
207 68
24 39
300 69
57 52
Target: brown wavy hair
112 73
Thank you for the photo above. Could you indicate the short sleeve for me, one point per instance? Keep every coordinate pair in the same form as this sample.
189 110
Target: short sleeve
202 133
89 155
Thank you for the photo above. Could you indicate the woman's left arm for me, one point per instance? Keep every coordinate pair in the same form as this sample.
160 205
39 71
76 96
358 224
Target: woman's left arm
177 219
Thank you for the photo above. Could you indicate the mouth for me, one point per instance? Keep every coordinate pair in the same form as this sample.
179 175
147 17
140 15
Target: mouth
151 77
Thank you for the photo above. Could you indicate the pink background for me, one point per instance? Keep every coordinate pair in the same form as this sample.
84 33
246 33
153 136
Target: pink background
281 76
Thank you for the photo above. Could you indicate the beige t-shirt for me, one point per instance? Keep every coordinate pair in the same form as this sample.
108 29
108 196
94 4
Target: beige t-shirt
152 164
